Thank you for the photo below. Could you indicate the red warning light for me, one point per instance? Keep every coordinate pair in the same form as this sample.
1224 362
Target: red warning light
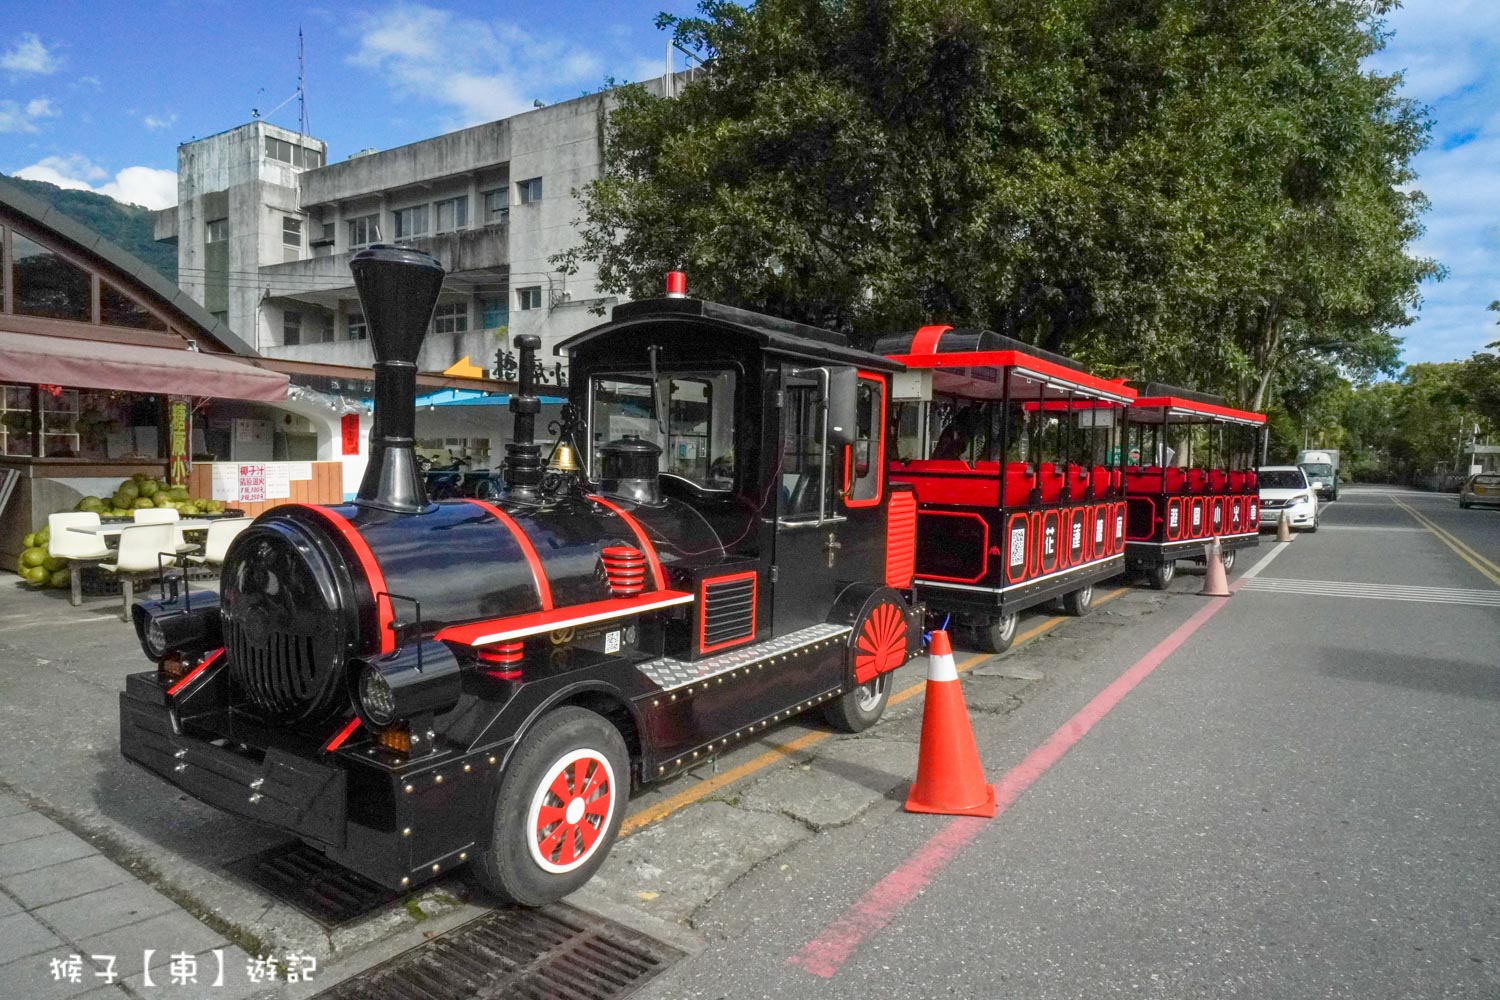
676 285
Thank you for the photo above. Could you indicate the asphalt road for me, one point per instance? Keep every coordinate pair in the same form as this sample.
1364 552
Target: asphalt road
1298 801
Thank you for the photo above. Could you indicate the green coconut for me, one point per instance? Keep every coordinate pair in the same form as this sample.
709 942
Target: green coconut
143 503
37 576
60 578
53 564
29 540
34 556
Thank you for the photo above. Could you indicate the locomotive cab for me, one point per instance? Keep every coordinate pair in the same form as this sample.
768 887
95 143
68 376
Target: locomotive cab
412 685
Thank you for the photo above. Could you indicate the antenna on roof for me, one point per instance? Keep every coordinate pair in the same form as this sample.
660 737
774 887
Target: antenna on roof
301 75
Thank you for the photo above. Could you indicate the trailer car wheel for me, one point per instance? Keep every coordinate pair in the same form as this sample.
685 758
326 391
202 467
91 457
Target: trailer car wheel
1160 577
861 706
558 809
997 636
1079 602
1228 557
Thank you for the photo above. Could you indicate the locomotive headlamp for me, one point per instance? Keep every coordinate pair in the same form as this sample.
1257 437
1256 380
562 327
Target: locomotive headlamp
188 625
419 677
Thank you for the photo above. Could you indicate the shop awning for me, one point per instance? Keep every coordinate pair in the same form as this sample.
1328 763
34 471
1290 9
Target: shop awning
100 364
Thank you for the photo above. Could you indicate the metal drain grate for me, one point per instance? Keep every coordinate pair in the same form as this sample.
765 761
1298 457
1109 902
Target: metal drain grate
556 952
302 877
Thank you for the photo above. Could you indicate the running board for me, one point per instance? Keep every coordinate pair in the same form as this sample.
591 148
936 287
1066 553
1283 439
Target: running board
670 674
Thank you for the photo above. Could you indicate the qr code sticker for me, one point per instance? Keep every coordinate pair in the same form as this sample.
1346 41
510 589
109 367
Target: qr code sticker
1017 546
612 642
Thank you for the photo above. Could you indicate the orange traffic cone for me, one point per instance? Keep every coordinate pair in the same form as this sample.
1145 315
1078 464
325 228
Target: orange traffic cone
1283 528
950 779
1215 581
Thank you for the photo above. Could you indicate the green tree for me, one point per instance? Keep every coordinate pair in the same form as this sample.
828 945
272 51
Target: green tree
1202 190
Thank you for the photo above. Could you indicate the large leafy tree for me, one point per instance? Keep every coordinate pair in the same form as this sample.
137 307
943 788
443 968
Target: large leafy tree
1202 190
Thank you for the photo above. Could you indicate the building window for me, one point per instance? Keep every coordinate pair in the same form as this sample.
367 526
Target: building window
325 328
44 283
453 214
529 298
529 192
496 206
291 231
411 222
216 231
291 328
298 156
222 316
451 317
358 330
493 312
118 309
364 230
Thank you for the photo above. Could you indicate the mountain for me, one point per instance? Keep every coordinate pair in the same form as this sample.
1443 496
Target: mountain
129 227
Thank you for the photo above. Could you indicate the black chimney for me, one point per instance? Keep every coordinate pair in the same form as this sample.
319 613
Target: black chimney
398 289
523 459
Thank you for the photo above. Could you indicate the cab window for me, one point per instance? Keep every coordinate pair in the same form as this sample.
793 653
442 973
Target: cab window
689 415
866 457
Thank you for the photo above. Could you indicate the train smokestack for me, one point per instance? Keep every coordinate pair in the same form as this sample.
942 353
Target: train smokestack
398 289
523 459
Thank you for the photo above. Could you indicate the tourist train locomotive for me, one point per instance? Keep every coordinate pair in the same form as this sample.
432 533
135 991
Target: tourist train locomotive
410 685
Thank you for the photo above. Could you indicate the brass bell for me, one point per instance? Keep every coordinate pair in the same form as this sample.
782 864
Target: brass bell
563 459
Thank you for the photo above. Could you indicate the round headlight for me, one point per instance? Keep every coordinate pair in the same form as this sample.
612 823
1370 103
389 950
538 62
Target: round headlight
156 640
376 698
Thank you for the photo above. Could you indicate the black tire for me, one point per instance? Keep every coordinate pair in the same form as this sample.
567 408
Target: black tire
861 706
1228 556
525 861
997 636
1079 602
1160 576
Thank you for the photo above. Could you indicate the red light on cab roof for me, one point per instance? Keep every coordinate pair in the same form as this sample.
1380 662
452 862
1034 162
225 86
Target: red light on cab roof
676 285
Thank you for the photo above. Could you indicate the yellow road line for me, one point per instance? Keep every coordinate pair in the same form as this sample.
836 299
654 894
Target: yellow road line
780 752
1486 568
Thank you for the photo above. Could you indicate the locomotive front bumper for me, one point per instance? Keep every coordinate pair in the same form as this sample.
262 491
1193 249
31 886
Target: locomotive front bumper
270 785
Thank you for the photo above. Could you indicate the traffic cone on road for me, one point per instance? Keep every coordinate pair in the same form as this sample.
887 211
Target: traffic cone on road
950 779
1283 528
1215 581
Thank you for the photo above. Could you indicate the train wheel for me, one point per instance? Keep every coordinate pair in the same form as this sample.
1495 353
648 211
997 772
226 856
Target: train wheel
997 636
1228 556
861 706
1079 602
1160 577
558 809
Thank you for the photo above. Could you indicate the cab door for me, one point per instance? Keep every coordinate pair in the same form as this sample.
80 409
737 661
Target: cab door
810 526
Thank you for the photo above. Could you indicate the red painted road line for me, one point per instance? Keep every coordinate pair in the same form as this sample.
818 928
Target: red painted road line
826 953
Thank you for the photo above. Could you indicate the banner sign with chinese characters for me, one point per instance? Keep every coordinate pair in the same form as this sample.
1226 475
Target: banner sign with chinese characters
179 433
349 424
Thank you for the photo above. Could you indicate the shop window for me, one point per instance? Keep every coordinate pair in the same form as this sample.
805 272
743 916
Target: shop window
451 317
364 230
496 205
118 309
529 192
358 330
46 284
16 419
411 222
291 328
452 214
60 413
529 298
216 231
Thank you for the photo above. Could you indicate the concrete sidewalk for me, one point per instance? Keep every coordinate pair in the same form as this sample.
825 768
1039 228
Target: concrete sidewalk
75 924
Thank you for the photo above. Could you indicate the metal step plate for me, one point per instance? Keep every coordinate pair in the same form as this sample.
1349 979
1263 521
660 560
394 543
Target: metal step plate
670 674
556 952
302 877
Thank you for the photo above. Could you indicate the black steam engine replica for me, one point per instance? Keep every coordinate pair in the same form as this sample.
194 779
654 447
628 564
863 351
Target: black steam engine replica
410 685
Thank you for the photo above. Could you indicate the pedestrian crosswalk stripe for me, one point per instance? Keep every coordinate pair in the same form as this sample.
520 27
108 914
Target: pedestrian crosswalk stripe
1375 591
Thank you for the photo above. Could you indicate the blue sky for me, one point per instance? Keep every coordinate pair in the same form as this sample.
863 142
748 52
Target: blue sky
99 94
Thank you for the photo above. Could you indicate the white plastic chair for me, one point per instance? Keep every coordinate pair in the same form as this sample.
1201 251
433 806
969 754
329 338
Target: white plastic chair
139 557
220 534
79 548
163 515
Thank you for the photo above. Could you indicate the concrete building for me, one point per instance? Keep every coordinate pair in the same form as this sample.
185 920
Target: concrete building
265 226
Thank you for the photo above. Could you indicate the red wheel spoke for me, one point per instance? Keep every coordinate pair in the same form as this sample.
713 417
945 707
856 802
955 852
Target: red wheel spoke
549 815
569 847
598 807
561 786
596 781
549 843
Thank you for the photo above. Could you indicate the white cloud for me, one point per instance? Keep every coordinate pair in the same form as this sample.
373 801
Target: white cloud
15 117
158 122
483 69
146 186
29 55
1447 50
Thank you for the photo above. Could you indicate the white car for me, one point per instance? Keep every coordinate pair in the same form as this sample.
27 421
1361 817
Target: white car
1285 488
